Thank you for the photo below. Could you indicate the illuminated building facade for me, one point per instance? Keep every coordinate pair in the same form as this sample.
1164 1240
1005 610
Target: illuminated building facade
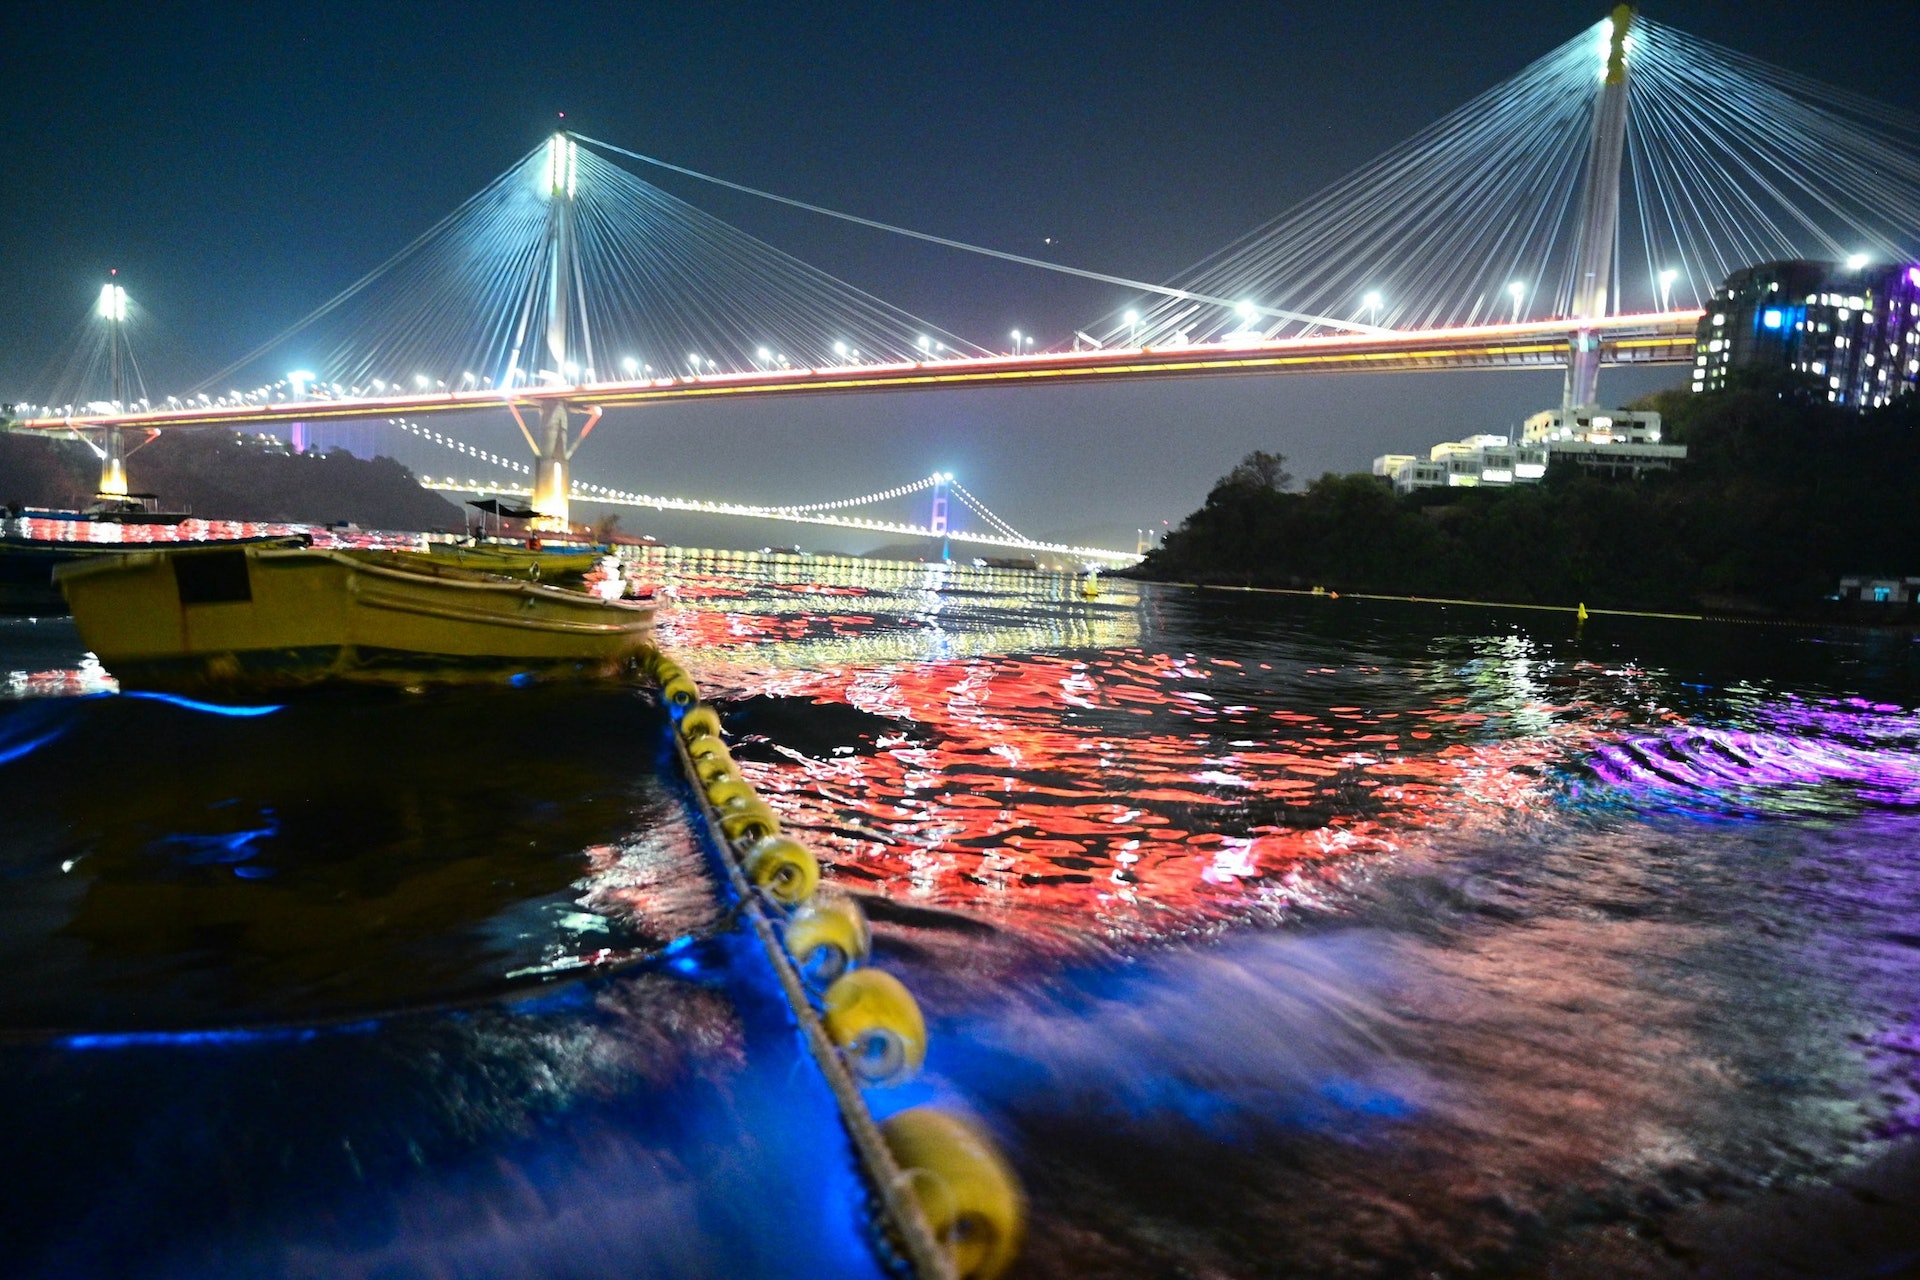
1854 327
1617 443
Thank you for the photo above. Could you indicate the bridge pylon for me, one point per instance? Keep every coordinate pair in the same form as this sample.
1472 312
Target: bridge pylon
113 446
1599 217
565 337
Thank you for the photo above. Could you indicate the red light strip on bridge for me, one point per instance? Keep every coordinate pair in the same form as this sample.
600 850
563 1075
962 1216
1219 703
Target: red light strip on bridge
1532 343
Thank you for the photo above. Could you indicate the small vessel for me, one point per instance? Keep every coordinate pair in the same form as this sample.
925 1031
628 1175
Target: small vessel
547 564
114 508
249 618
27 565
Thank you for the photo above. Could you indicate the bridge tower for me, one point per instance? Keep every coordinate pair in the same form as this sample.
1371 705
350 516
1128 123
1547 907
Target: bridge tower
564 334
1599 216
937 518
113 446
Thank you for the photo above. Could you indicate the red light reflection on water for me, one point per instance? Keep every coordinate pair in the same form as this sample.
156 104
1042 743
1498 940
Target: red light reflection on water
1055 792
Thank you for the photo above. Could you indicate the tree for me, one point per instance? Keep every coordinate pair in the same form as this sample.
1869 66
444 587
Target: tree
1260 470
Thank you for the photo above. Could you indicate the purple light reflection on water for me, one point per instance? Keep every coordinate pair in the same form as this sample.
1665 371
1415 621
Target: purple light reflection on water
1801 746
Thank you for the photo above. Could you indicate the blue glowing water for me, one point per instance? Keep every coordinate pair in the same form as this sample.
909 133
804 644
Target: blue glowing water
1271 937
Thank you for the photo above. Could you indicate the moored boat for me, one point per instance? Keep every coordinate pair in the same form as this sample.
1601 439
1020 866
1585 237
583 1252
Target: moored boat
265 618
114 508
27 565
545 564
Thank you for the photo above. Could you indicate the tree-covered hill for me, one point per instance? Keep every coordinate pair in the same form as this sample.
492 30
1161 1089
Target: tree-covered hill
1781 494
222 476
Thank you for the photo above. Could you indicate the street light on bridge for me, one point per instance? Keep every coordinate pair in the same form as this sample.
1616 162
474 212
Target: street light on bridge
1667 278
1133 328
1518 291
1372 303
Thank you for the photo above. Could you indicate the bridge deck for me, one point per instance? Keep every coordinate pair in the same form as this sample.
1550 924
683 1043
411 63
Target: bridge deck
1665 338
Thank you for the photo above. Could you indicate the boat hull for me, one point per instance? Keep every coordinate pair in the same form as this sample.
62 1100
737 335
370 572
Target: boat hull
27 565
518 562
234 619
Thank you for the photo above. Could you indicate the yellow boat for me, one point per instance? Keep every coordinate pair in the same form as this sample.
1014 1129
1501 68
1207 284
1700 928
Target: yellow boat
518 562
256 617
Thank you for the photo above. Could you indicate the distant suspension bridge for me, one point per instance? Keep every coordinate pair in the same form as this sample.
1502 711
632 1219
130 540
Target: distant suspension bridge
940 487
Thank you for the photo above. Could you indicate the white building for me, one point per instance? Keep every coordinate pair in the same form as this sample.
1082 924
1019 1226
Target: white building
1615 442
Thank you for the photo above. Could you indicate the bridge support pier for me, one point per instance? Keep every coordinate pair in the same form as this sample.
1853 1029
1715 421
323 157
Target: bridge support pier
113 464
550 483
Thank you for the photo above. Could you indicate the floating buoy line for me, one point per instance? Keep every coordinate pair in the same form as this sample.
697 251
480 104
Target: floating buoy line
948 1204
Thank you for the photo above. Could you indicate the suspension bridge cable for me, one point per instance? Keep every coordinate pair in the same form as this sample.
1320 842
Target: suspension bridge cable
947 242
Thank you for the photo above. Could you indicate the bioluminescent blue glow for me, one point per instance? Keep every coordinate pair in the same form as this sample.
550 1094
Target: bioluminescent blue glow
8 754
211 708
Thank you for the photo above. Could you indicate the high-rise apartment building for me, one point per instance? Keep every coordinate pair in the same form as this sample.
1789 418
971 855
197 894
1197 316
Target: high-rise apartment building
1853 327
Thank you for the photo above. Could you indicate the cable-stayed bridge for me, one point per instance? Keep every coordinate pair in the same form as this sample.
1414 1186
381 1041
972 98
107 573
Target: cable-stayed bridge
1576 215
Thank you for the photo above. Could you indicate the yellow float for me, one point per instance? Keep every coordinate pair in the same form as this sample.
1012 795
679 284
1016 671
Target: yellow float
970 1198
679 690
827 937
782 868
876 1025
712 767
700 722
755 821
728 793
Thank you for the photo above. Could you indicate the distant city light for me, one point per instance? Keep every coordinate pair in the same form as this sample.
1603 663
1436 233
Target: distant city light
1772 318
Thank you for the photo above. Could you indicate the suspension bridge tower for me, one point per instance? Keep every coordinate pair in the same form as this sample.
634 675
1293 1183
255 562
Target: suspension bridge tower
113 446
1599 216
558 301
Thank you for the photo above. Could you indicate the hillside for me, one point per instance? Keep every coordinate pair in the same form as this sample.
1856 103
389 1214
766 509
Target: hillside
223 476
1781 494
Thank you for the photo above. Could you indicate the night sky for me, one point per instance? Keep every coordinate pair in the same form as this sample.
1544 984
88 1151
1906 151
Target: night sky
241 164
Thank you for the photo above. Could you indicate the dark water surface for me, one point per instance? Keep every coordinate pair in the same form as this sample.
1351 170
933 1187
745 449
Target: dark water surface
1273 936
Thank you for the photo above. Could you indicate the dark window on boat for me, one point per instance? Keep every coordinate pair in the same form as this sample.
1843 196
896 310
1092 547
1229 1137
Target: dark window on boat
212 577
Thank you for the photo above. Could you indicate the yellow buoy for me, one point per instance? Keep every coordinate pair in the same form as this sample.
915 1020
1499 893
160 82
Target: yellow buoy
653 662
970 1197
726 793
877 1025
710 768
755 820
700 722
783 869
701 748
679 690
827 937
